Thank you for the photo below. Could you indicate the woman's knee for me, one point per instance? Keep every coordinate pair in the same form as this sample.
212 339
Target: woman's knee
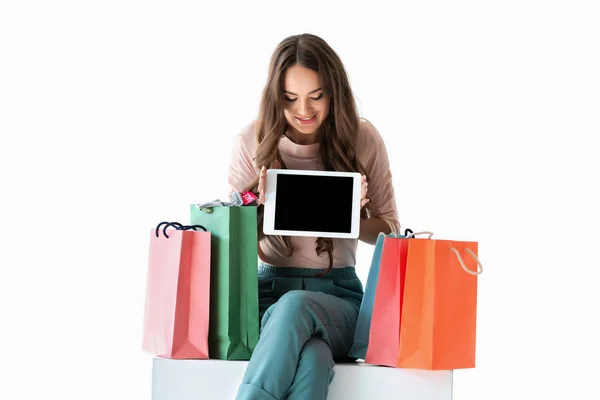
294 305
297 301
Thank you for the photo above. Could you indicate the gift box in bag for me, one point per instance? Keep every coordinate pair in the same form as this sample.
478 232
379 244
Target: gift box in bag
176 312
234 325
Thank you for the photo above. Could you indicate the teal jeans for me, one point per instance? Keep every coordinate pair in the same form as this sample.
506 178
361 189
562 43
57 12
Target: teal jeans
307 323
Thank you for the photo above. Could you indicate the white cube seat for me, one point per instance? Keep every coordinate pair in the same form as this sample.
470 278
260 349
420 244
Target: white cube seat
219 380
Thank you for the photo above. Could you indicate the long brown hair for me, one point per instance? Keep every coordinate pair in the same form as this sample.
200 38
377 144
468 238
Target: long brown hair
338 132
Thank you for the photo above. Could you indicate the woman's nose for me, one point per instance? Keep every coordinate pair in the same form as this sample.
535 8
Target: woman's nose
304 108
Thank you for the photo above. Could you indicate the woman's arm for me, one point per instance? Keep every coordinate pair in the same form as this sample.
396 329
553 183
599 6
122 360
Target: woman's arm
370 229
374 157
242 171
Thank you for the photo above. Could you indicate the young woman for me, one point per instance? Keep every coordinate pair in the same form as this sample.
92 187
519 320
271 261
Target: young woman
309 292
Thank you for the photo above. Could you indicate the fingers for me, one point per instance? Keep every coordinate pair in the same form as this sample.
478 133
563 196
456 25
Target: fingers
262 185
262 181
364 190
364 187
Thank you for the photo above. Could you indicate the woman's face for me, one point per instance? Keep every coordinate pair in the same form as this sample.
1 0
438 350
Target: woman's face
306 104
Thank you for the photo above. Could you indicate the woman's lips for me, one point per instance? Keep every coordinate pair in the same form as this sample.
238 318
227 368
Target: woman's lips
307 121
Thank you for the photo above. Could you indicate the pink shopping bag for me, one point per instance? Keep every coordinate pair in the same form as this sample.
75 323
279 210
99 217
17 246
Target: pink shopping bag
384 334
178 292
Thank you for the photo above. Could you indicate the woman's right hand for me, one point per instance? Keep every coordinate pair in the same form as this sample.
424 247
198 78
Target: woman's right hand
262 181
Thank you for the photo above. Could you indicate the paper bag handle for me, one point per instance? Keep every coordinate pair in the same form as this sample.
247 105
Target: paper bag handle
462 264
407 231
177 226
420 233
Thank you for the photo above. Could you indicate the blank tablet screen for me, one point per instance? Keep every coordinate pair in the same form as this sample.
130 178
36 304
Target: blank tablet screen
313 203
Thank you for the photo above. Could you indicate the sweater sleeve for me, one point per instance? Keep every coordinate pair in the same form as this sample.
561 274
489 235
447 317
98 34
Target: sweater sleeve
373 155
242 170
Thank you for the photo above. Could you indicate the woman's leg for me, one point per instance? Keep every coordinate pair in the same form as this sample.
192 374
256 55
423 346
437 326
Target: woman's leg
287 326
314 372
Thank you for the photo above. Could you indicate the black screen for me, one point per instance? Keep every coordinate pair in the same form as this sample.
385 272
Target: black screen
314 203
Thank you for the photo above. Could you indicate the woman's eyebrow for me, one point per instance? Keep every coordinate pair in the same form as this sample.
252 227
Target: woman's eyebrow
316 90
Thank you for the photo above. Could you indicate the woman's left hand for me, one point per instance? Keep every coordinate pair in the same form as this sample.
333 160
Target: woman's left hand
363 193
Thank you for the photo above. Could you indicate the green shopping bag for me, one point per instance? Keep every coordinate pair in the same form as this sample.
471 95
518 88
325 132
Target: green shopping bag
234 326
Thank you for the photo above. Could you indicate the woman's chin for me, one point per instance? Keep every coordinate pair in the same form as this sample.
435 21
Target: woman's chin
307 130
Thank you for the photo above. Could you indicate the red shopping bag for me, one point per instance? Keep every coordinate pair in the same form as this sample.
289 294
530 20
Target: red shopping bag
178 293
438 322
384 334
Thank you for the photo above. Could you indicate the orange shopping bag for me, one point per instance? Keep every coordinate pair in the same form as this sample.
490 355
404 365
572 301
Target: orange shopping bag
178 292
438 322
384 334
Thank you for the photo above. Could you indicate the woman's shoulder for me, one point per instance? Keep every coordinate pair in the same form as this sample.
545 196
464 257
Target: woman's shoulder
248 130
368 139
245 137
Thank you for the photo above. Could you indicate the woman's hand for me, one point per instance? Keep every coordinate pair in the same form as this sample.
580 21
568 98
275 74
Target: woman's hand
262 181
363 193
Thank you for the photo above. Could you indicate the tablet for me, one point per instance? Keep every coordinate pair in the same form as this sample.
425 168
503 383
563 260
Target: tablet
312 203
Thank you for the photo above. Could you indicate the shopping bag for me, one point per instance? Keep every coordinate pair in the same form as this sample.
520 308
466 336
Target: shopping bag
234 325
363 323
176 314
438 322
384 334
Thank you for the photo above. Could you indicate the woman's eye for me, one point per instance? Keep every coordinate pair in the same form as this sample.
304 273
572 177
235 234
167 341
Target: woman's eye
312 98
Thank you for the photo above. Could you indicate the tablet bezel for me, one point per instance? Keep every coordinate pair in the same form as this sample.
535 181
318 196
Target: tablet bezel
271 203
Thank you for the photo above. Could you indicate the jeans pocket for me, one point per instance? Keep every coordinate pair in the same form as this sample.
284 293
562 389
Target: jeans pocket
265 286
352 288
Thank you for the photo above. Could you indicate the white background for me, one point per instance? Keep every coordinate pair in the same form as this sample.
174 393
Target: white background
116 115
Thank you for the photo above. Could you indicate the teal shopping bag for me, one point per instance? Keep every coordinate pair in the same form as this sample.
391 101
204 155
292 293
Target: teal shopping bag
363 324
233 322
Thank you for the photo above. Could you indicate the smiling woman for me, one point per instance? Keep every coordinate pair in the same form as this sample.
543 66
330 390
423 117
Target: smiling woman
308 289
